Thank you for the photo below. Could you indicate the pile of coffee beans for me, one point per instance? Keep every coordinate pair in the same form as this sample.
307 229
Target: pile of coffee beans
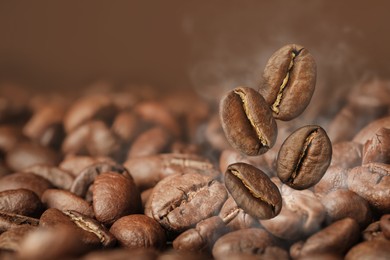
141 173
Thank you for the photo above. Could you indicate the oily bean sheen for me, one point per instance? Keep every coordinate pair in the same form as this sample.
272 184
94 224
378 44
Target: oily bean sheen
253 191
304 157
289 81
247 121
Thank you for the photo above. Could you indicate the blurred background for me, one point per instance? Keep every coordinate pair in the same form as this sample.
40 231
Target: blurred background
210 46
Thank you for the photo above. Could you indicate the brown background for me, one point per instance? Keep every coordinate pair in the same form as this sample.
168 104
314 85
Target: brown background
207 45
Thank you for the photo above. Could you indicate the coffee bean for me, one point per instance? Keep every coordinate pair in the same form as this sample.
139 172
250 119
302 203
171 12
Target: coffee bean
337 238
289 81
156 113
149 170
24 180
138 231
11 220
369 130
385 225
153 141
93 234
10 136
28 154
114 196
341 204
346 155
235 217
52 243
302 214
11 239
45 126
253 191
202 237
351 118
65 200
76 164
123 253
101 141
58 177
20 201
179 202
247 121
371 182
304 157
126 126
250 241
87 176
373 232
377 149
75 141
335 178
89 108
376 249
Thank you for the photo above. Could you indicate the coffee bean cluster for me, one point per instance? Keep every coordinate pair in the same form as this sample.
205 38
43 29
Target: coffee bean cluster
248 120
140 173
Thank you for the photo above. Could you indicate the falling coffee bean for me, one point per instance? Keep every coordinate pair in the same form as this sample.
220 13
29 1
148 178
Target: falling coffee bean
289 81
304 157
253 191
247 121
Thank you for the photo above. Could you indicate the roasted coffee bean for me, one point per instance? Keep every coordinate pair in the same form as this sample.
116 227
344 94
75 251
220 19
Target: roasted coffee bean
369 130
304 157
179 255
52 243
302 214
202 237
247 121
148 171
253 191
341 204
28 154
56 176
76 164
334 178
11 220
385 225
377 149
156 113
75 141
153 141
371 182
351 118
21 201
123 253
114 196
65 200
11 239
93 234
25 180
373 232
145 195
289 81
346 155
235 217
126 126
138 231
101 141
376 249
40 125
89 108
250 241
179 202
337 238
10 136
87 176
